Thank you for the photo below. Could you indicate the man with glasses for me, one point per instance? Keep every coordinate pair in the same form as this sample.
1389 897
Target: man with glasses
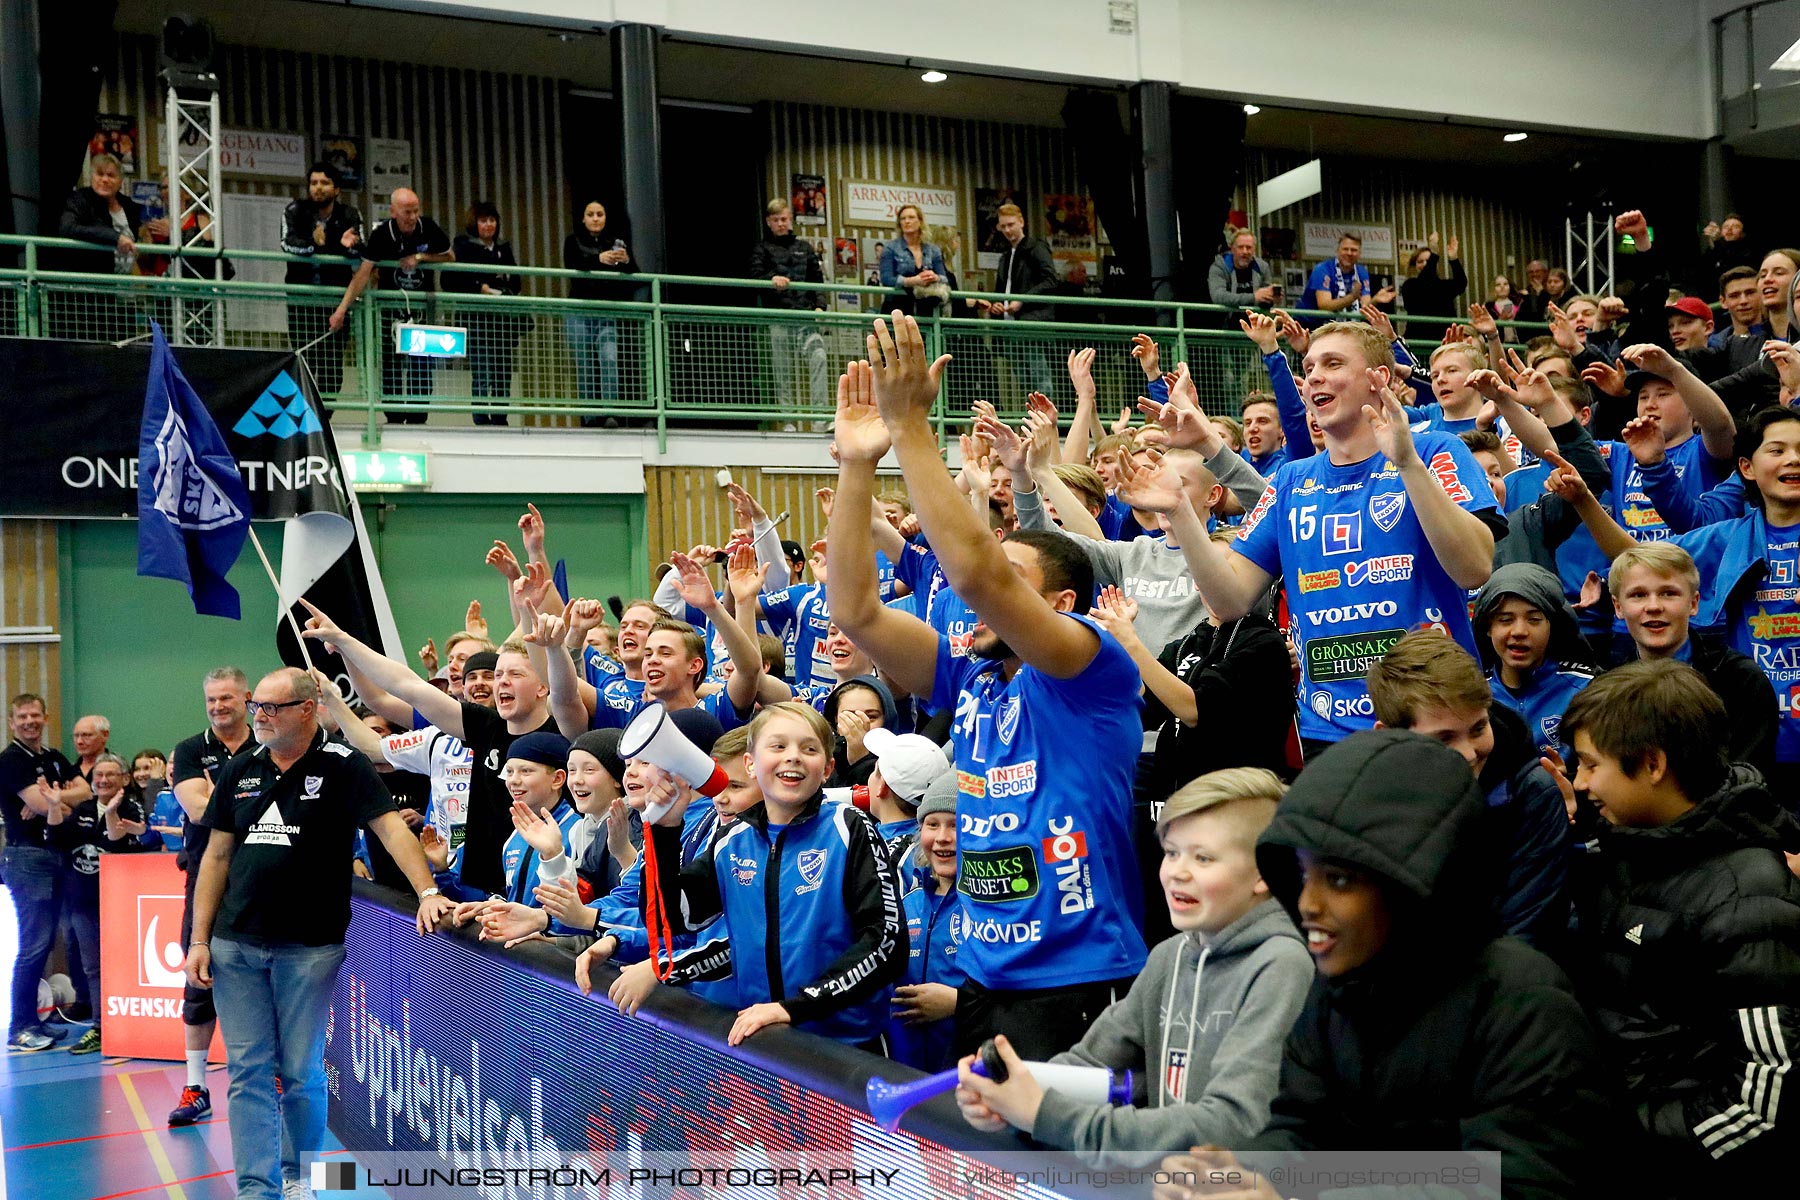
196 765
274 887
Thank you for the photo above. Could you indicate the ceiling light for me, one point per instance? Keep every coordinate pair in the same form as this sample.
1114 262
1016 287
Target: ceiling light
1250 110
934 77
1515 137
1789 60
566 37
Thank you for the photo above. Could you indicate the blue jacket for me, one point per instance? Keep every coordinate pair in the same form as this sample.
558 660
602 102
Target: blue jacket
817 896
518 861
1547 691
1681 510
934 930
1728 554
1296 433
1527 822
897 261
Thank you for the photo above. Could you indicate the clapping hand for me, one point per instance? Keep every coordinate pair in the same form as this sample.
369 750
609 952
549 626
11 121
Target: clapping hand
1115 611
539 831
1375 317
1391 425
1154 488
1081 372
905 383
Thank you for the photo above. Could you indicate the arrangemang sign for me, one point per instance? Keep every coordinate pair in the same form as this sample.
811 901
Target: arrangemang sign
868 202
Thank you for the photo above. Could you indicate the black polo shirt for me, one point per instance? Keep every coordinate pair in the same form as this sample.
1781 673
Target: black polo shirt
296 835
387 243
196 758
490 804
19 769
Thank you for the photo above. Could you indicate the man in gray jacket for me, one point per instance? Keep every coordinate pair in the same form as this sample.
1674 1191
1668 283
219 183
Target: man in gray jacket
1202 1027
1240 279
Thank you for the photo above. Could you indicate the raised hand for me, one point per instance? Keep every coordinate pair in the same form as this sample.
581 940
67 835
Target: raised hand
1261 330
1643 436
905 383
1040 433
1647 356
1634 225
547 629
1143 348
744 506
428 656
1081 372
582 615
1185 428
976 471
1123 424
1787 364
560 899
1391 426
320 628
618 833
474 622
1608 378
531 588
1612 309
909 526
1153 488
825 496
1552 762
501 559
437 852
1008 448
1565 481
539 831
1569 339
1452 247
1292 332
695 586
531 531
1482 321
1375 317
858 430
745 576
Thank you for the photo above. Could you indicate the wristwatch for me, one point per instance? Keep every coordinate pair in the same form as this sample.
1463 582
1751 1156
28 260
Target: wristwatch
428 893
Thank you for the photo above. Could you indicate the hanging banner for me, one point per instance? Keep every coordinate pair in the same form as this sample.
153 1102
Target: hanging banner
875 203
263 154
1320 239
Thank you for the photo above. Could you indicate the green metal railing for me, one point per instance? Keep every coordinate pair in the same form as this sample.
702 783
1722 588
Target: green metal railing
688 349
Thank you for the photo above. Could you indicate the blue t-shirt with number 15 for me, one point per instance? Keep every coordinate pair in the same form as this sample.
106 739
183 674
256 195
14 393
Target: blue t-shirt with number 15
1358 569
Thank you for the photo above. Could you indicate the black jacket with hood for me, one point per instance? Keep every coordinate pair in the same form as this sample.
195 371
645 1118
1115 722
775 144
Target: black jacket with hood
1690 939
846 773
1448 1038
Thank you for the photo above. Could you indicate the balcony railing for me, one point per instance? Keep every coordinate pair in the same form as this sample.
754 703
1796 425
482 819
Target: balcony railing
662 359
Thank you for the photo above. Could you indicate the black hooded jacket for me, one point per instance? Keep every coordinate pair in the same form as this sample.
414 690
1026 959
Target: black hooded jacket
1448 1038
846 773
1690 939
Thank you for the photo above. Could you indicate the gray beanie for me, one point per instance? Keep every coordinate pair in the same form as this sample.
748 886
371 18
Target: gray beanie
940 795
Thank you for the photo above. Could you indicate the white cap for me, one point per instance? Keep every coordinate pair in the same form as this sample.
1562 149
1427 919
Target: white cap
908 761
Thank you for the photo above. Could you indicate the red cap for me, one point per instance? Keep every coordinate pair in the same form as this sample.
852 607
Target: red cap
1693 306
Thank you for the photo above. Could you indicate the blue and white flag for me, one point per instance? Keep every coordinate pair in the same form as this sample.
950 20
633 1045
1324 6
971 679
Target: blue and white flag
193 507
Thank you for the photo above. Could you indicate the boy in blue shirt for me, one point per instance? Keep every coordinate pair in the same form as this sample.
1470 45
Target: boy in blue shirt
1531 646
536 772
920 1027
1385 531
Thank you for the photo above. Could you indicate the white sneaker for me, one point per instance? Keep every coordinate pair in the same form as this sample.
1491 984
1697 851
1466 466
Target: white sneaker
296 1189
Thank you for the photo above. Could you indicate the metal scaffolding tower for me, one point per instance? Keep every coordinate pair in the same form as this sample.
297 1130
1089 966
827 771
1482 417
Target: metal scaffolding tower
191 153
1588 249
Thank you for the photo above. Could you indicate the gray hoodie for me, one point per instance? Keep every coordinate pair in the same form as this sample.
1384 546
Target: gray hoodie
1202 1029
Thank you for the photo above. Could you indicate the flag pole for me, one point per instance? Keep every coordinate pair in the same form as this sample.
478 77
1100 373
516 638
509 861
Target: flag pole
286 606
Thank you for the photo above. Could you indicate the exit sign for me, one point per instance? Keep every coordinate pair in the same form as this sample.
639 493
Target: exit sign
383 470
431 341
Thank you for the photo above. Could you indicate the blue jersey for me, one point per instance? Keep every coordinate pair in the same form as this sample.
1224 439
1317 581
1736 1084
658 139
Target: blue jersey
801 617
934 933
1044 771
1268 463
1358 569
1543 698
168 811
1335 282
1767 628
616 696
520 862
884 576
1697 470
1117 523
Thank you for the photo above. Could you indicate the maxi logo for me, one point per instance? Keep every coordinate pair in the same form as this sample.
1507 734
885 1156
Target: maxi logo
1352 612
998 876
1385 509
1347 655
1443 465
1388 568
281 411
1262 506
1065 852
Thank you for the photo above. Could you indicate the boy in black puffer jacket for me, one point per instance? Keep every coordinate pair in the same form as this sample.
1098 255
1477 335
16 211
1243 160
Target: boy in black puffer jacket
1423 1030
1690 927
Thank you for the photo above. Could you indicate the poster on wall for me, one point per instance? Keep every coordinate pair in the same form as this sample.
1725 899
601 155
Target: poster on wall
390 167
256 221
1319 240
822 247
872 202
1069 227
263 154
807 195
988 242
116 134
147 195
845 261
344 152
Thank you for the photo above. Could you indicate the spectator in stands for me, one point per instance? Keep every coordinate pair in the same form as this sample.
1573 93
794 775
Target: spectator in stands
1534 300
1203 1026
920 1027
1736 557
1775 280
326 231
1028 272
1532 647
1239 279
1388 530
1429 685
914 267
1742 300
123 813
36 783
1342 283
1502 304
1041 670
103 215
1726 248
815 947
405 240
594 339
1690 928
1559 288
1437 280
90 736
796 348
905 765
77 834
274 962
1264 446
1656 591
854 709
150 773
542 816
494 332
1690 323
1378 852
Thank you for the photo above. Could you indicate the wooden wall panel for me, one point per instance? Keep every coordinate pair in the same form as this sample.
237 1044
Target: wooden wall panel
29 598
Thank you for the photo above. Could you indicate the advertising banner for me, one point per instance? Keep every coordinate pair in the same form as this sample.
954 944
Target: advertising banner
872 202
141 958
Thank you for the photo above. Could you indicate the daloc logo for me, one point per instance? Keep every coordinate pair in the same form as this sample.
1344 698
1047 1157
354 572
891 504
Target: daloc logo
281 410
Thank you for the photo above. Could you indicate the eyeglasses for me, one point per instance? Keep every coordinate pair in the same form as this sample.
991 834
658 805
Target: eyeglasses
271 706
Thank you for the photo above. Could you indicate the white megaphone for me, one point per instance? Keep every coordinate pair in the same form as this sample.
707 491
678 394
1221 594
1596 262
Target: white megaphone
653 737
